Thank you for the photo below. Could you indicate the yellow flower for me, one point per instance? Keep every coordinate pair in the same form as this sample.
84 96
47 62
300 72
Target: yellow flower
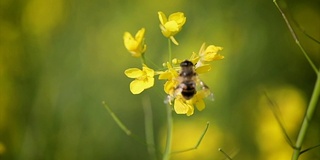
143 79
207 55
135 45
182 106
171 75
172 25
195 59
210 53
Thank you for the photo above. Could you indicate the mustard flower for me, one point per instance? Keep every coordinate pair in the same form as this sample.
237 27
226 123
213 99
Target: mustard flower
195 59
207 54
143 79
182 106
171 75
135 45
210 53
172 25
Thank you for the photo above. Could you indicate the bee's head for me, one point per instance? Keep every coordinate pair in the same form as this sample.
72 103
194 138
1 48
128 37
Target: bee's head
186 63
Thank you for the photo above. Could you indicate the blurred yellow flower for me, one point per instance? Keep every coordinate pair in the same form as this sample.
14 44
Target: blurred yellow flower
210 53
143 79
135 45
172 25
207 54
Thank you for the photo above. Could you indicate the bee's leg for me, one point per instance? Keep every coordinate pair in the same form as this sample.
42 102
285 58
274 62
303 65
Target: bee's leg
179 89
203 85
169 100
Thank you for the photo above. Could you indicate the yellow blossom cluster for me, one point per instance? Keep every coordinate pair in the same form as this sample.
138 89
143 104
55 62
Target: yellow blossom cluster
144 78
181 105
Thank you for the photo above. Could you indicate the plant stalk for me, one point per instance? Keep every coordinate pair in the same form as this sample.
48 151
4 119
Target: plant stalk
307 118
313 66
170 54
167 152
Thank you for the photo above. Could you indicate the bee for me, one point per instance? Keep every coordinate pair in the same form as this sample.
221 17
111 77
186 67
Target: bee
189 81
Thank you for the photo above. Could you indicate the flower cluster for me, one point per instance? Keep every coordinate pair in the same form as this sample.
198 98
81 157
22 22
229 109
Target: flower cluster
144 78
182 105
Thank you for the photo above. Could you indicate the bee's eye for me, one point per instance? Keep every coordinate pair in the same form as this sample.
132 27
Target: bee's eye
186 63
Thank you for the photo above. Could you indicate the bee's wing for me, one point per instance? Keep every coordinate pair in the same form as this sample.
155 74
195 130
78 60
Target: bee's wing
204 88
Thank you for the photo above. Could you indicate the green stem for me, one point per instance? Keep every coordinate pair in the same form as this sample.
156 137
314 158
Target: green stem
306 121
170 52
225 154
198 143
296 38
143 59
117 120
148 120
121 125
167 151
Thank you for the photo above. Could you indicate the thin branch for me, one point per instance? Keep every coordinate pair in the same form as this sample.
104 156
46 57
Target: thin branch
167 152
148 120
121 125
309 149
170 51
198 143
117 120
296 38
225 154
304 32
276 112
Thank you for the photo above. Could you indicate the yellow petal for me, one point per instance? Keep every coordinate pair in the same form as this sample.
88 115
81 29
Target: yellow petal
140 35
178 17
190 111
174 40
203 69
202 48
133 73
148 82
135 45
129 41
169 87
164 31
149 72
127 35
180 107
200 105
211 53
171 73
172 26
136 86
194 58
213 49
162 17
165 75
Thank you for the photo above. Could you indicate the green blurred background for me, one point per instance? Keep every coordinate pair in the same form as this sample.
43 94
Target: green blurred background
60 59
